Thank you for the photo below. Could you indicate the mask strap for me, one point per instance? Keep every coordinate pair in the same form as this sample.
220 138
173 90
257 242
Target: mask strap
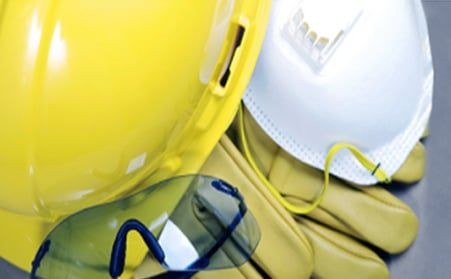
375 170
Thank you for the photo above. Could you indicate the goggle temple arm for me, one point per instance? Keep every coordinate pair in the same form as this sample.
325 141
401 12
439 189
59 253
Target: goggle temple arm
204 261
232 191
118 252
43 249
226 188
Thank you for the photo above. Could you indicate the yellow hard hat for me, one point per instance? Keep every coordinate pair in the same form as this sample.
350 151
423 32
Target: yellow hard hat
96 96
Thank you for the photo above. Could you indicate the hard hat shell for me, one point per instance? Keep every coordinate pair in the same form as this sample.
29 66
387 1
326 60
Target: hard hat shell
97 96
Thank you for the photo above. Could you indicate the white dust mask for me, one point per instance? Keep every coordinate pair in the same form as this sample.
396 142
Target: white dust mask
348 71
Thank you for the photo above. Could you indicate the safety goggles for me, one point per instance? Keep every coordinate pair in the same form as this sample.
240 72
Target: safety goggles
186 224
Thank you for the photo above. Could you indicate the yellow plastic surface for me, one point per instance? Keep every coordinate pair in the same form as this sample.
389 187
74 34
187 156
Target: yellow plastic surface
97 97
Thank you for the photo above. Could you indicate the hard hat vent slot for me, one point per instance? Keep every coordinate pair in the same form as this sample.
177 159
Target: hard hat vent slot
225 73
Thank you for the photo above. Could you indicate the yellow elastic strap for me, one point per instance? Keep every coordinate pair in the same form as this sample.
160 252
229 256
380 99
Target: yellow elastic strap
366 163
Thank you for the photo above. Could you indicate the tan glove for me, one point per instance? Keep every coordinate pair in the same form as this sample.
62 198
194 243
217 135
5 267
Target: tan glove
335 230
348 217
283 251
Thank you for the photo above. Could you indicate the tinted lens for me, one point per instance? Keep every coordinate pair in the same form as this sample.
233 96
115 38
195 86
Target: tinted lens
212 241
190 217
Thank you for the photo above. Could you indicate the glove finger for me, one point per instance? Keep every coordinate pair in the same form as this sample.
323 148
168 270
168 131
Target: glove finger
368 213
413 168
280 235
339 256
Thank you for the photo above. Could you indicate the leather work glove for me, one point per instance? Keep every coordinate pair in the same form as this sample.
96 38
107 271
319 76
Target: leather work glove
283 251
332 237
350 218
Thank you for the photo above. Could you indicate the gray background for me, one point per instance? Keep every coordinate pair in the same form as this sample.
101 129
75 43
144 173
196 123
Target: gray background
430 256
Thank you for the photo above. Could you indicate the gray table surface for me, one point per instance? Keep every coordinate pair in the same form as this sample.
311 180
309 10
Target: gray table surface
430 256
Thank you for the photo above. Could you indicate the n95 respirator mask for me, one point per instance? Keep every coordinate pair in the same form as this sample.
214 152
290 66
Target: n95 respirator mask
357 72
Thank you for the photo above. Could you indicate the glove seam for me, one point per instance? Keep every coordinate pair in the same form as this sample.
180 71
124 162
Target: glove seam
385 202
352 230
